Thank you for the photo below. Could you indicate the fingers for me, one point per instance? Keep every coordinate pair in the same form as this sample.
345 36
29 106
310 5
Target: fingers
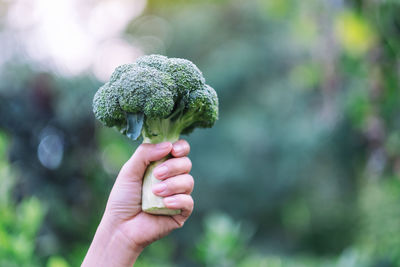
180 148
181 184
144 154
181 201
177 188
173 167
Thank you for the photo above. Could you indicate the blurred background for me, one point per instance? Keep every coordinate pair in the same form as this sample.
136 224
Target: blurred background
302 169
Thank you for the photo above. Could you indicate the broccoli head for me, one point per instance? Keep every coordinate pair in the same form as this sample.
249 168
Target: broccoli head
157 97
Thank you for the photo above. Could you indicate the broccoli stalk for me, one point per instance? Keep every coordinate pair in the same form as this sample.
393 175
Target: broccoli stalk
151 203
158 98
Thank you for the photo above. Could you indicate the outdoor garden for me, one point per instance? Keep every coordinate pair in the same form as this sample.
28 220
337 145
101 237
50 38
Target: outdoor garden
302 167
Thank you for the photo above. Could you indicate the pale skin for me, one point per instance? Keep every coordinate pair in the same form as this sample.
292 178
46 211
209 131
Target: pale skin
125 230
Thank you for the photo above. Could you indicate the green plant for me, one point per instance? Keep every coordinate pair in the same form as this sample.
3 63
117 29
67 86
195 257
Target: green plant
19 221
380 220
159 98
223 242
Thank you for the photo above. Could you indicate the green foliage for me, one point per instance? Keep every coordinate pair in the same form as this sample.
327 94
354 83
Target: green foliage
18 228
159 253
380 220
223 242
56 261
19 222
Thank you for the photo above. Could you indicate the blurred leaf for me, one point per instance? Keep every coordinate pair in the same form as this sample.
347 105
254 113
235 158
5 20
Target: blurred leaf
223 242
380 221
30 216
56 261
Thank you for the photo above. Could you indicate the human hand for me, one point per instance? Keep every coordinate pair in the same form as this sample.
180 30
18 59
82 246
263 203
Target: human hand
124 222
124 204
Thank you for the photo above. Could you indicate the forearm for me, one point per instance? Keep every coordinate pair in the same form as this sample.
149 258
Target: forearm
110 248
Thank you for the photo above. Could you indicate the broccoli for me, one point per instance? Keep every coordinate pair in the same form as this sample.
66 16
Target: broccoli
158 98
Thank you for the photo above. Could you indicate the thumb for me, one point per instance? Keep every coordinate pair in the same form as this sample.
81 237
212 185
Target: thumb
135 167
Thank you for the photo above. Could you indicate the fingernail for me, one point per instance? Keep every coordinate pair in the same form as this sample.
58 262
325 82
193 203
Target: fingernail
163 145
178 148
161 171
170 201
159 188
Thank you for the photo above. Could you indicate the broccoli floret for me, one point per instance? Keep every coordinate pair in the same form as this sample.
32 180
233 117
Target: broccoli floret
159 98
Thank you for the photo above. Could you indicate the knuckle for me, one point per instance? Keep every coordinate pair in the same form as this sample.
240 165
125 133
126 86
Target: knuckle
190 181
190 205
124 167
184 142
188 163
188 149
189 202
141 148
141 154
186 145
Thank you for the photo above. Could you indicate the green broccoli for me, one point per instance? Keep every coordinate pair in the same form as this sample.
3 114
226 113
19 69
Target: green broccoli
159 98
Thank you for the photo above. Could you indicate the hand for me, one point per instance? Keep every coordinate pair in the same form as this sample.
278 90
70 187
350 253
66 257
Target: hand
124 219
124 204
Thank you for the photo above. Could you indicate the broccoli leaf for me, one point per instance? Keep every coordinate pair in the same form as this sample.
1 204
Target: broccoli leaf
135 125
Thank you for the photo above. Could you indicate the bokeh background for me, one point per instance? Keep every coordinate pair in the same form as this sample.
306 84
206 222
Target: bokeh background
302 169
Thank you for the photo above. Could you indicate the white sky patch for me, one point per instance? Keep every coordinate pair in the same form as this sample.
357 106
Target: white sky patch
110 55
71 35
109 18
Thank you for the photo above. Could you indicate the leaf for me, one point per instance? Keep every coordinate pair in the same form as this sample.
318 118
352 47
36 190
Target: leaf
135 125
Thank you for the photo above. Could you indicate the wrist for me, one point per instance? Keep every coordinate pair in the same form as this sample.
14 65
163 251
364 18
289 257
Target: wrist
111 247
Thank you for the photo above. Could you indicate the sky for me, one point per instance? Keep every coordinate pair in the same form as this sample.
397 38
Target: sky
70 36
